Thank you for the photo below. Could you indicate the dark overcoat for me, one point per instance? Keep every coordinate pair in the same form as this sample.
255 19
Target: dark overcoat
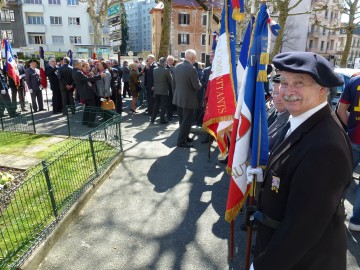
304 183
187 84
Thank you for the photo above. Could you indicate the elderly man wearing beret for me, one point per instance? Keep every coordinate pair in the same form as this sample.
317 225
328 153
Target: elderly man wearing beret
300 210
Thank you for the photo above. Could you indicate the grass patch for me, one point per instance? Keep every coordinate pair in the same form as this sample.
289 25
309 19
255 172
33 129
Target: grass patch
30 145
27 210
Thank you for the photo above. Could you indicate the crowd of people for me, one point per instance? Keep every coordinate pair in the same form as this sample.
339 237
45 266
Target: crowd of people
300 212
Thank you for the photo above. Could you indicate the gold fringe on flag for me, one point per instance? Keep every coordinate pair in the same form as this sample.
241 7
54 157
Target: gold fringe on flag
231 214
237 15
264 58
228 170
262 76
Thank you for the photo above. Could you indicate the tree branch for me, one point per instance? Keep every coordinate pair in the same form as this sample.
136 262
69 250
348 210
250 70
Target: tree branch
206 8
295 5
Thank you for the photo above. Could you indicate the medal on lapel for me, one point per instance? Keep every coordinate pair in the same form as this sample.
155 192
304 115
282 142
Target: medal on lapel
275 184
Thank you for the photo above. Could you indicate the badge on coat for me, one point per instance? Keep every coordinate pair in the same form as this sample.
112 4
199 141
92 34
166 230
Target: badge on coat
275 184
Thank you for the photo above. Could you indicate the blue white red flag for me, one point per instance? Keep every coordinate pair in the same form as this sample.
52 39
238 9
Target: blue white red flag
11 66
43 79
250 133
70 55
221 104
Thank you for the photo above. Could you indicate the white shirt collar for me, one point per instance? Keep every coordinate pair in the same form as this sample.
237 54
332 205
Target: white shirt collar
296 121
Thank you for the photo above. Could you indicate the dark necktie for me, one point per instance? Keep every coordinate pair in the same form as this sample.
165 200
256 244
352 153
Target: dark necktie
282 135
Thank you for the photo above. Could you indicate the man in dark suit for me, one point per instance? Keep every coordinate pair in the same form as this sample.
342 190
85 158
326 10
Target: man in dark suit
5 101
187 84
281 115
66 85
301 214
170 107
116 75
149 83
51 71
32 77
163 81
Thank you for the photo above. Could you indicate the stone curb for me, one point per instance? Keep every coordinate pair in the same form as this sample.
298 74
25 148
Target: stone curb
36 258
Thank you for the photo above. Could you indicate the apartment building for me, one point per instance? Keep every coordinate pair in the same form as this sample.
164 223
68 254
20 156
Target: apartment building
12 25
188 27
140 25
354 48
321 40
57 25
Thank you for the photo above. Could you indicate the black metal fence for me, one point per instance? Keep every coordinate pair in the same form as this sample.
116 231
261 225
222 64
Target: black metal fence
31 209
81 119
14 118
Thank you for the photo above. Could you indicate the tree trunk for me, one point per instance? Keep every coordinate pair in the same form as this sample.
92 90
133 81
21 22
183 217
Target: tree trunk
165 31
283 14
345 55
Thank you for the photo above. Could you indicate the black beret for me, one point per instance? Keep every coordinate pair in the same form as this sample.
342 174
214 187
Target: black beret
309 63
276 78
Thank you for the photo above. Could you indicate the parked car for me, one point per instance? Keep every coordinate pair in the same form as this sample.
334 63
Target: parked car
346 74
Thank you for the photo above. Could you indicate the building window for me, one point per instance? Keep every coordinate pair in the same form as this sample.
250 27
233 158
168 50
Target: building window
203 57
37 38
324 31
322 45
33 2
7 34
184 39
312 30
7 15
327 45
184 18
57 39
331 15
55 20
311 43
358 43
35 20
203 39
54 2
203 19
75 39
182 54
331 44
326 14
73 2
74 21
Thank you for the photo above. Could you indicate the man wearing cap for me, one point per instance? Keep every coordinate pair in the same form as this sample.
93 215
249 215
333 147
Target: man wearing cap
300 211
349 113
280 115
32 77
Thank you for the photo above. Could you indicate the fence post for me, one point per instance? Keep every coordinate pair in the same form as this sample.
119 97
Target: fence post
2 123
93 153
105 134
51 192
68 120
32 117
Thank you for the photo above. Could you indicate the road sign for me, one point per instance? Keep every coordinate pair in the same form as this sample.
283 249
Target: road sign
113 10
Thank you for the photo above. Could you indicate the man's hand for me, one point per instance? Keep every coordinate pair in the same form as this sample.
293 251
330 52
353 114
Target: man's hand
103 75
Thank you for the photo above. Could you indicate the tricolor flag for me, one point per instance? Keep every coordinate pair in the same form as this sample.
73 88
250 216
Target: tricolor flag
250 124
70 55
11 66
94 56
43 79
221 104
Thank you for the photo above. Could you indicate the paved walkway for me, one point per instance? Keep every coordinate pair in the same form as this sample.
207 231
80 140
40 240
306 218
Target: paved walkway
162 208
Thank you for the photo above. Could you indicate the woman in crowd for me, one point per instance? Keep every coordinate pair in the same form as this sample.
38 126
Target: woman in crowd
134 85
103 86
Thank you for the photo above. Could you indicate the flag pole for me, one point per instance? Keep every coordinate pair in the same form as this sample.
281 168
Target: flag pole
231 255
249 226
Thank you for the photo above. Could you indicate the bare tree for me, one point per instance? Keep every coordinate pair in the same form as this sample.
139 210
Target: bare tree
290 39
97 12
165 30
350 8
